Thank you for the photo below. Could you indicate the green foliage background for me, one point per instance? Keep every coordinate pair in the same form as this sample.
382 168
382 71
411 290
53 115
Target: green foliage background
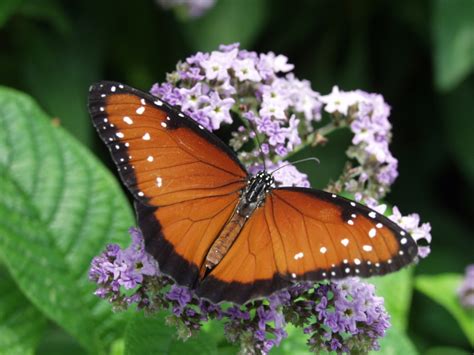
60 205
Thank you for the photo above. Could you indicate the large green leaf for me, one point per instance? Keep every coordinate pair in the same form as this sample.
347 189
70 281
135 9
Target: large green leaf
21 324
396 342
150 335
227 22
453 32
396 289
442 289
59 209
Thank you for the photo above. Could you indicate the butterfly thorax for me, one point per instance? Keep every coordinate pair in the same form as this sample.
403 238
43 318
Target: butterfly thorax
251 197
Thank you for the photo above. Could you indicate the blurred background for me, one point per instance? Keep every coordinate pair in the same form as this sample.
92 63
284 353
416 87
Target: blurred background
418 54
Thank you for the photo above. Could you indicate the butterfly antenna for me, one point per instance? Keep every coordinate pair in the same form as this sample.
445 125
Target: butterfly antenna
262 156
296 162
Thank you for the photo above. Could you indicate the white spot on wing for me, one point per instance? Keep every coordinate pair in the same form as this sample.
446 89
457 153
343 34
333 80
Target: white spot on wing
150 158
143 101
345 242
367 247
356 261
298 256
113 88
372 233
141 194
333 196
293 275
180 114
353 204
127 120
163 124
347 270
140 110
403 241
323 250
146 137
119 134
159 181
372 214
158 103
402 233
350 222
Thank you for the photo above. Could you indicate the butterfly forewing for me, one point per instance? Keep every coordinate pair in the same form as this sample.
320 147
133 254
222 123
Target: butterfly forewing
185 180
162 156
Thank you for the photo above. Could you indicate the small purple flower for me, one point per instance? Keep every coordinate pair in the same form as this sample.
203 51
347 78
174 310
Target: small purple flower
466 290
218 110
339 101
180 294
245 70
194 8
218 64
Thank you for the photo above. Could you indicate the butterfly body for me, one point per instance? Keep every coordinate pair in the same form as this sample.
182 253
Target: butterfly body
251 197
213 227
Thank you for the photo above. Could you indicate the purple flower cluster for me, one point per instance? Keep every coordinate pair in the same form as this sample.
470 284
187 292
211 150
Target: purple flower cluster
275 114
367 116
342 316
347 309
411 223
271 105
116 269
193 8
466 290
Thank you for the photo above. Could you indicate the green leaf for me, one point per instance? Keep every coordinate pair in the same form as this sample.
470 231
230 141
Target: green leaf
59 209
453 32
397 290
443 350
21 324
227 22
150 335
294 344
442 289
396 342
7 9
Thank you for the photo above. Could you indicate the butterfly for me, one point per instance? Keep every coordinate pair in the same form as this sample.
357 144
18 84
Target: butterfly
215 228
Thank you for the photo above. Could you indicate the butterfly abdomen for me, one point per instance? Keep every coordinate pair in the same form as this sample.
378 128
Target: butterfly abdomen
225 240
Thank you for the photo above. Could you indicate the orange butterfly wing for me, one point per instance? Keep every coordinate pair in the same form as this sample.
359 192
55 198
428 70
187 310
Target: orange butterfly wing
305 234
184 179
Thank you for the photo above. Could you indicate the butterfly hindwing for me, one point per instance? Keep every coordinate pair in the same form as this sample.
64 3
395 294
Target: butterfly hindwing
303 234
